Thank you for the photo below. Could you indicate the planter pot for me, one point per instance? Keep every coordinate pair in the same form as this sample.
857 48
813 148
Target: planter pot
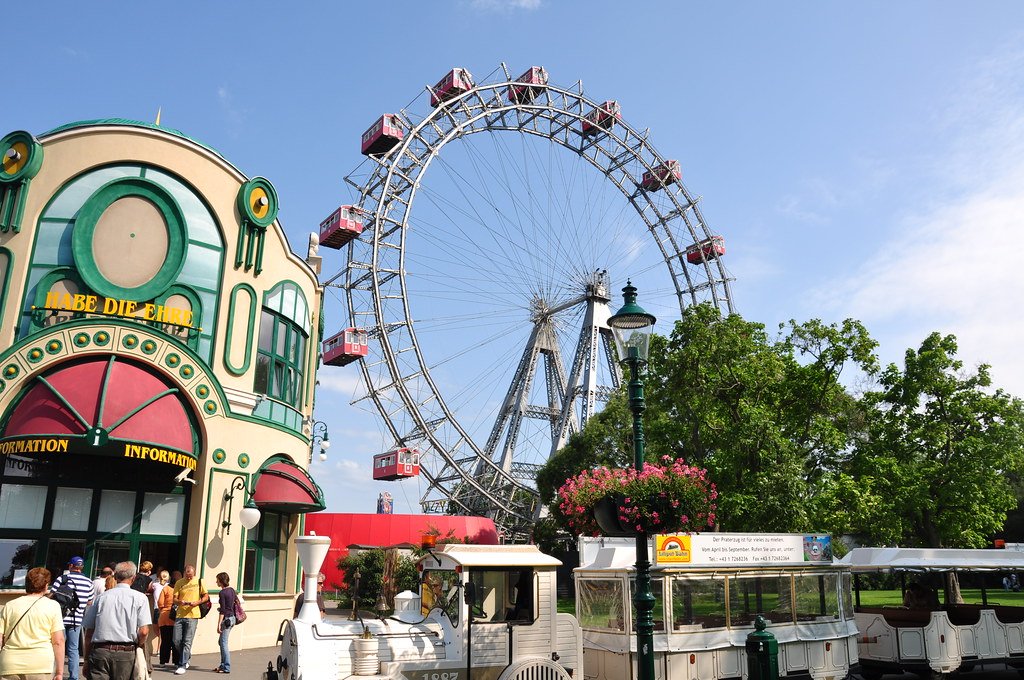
606 514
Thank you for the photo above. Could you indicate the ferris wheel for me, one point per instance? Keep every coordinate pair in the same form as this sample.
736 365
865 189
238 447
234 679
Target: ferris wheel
484 287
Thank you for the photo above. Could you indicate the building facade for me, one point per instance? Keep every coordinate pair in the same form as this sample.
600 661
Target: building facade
158 354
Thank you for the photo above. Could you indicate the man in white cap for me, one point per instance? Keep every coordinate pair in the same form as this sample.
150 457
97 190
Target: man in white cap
73 621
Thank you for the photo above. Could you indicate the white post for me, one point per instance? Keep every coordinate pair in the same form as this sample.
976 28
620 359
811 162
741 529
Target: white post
312 550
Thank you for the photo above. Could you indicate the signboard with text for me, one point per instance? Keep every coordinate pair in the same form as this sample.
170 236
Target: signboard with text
719 549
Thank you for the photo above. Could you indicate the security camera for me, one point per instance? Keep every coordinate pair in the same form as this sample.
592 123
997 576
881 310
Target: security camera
183 477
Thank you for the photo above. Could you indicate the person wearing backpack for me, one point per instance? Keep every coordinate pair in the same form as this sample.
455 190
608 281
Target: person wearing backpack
73 580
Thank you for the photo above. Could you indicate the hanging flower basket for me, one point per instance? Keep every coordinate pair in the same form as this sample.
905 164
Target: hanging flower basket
606 514
669 497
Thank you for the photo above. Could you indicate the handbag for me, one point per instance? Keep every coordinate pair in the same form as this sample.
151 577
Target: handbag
140 672
240 614
174 612
204 605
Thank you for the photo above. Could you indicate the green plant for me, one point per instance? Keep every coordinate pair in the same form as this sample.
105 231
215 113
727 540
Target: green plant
672 496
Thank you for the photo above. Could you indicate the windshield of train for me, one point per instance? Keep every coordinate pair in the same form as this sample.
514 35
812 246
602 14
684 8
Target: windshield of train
440 589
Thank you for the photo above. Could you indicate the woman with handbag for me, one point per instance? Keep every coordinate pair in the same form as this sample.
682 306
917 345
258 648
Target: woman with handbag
32 633
165 600
227 600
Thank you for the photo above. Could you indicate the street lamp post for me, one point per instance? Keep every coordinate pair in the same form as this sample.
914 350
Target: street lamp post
321 437
632 328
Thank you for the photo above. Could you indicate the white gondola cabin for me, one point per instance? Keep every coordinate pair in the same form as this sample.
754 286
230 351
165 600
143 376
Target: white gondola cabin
708 249
397 464
709 588
528 85
382 136
347 346
340 227
457 81
661 176
602 118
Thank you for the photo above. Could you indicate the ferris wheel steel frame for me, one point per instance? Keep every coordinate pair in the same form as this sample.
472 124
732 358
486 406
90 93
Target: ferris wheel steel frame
398 381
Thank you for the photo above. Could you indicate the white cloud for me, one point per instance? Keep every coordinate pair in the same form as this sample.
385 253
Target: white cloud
505 5
346 382
956 265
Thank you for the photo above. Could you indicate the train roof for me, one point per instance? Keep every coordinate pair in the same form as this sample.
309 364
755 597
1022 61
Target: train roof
933 559
497 555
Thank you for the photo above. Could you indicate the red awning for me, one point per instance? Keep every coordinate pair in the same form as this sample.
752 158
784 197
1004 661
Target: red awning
283 486
103 406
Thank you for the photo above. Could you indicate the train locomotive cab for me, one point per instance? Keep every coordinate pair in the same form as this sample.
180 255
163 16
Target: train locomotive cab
661 176
708 249
396 464
347 346
458 81
340 227
490 608
601 118
528 85
382 136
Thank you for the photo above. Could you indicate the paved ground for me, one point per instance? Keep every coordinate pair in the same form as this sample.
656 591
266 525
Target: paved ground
249 664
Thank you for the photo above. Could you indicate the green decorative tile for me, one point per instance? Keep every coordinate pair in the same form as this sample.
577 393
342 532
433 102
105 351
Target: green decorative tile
219 456
243 460
130 341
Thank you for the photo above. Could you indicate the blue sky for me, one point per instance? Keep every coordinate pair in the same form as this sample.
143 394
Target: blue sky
863 159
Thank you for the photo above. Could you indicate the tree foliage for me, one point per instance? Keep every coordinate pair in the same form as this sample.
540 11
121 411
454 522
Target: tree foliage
369 564
929 454
936 469
767 417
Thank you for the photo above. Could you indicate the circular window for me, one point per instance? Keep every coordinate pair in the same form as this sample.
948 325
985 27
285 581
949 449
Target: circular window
129 240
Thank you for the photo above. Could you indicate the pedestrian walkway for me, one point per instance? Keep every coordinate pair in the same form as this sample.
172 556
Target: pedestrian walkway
245 663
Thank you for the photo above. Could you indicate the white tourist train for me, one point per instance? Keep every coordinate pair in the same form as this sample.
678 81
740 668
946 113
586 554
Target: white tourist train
709 588
976 621
489 608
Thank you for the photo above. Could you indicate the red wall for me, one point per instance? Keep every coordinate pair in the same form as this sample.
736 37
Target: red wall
347 529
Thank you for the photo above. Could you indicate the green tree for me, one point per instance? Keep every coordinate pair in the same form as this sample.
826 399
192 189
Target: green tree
369 564
769 418
943 448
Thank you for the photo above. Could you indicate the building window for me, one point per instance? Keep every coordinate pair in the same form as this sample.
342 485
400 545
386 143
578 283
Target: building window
265 555
16 557
282 352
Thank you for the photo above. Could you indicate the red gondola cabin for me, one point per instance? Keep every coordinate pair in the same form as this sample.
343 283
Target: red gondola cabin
533 82
458 81
602 118
397 464
661 176
341 227
345 347
382 136
707 249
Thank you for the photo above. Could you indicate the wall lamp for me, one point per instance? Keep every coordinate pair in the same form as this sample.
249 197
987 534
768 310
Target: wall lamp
250 514
320 437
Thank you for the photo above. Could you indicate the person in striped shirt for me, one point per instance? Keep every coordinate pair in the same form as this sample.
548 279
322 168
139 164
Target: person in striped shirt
73 621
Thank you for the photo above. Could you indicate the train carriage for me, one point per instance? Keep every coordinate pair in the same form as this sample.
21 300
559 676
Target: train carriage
950 611
708 590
